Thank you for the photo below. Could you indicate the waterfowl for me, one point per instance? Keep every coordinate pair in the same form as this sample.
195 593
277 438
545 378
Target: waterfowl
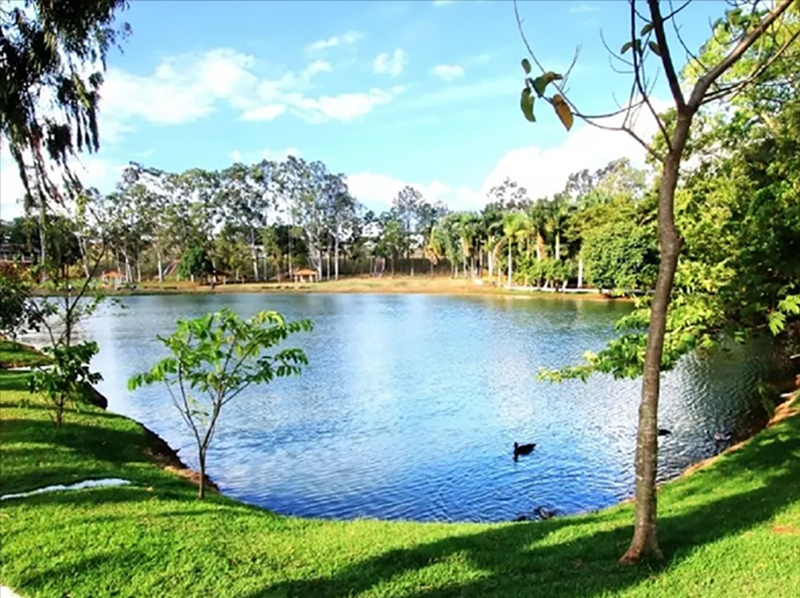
544 513
523 449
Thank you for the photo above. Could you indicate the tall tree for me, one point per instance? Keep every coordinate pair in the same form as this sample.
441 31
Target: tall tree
745 33
48 102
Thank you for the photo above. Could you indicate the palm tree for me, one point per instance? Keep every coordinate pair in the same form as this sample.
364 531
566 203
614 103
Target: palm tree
559 212
513 225
539 220
434 247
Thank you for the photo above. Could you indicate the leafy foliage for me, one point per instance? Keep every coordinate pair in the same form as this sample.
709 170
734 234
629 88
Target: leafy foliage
18 313
214 359
45 49
67 380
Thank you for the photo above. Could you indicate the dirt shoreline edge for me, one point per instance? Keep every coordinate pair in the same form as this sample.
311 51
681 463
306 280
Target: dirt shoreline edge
157 448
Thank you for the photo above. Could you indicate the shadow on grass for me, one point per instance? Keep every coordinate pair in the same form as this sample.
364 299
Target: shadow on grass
35 454
515 560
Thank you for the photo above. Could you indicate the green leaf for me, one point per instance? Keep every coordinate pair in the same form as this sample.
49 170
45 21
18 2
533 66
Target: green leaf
526 105
777 322
625 47
646 29
655 48
526 66
540 83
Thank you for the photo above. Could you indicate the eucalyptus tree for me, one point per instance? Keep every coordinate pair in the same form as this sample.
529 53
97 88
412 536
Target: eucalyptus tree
747 30
342 209
303 185
244 202
406 207
52 56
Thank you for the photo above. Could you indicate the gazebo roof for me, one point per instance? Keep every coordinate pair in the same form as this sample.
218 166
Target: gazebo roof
305 272
113 274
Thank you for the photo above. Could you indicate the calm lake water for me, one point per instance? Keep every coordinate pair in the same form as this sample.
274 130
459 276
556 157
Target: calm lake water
411 404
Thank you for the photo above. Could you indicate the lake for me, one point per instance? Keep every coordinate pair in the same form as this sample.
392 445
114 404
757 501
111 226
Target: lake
411 405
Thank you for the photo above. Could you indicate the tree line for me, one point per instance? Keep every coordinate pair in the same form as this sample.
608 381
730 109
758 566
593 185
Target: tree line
262 221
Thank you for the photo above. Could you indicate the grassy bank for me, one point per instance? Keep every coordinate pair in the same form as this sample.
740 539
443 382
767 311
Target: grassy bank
729 530
13 355
364 284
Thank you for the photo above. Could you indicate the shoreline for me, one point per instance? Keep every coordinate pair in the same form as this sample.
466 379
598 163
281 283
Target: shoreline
166 457
405 285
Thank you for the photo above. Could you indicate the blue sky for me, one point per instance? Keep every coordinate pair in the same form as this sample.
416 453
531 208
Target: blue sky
389 93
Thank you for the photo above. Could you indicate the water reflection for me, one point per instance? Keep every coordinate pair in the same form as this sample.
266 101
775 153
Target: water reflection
411 405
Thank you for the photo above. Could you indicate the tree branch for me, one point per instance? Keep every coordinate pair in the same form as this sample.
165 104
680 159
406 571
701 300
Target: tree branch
735 88
666 59
702 85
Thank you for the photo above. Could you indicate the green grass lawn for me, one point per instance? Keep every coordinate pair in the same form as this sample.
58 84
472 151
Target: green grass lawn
17 355
729 530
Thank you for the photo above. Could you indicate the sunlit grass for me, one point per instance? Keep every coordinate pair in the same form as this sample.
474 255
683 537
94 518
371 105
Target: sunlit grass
729 530
18 355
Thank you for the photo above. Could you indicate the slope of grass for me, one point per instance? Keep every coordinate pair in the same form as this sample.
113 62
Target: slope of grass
729 530
14 355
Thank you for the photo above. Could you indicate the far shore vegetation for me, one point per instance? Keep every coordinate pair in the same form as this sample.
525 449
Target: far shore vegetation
703 238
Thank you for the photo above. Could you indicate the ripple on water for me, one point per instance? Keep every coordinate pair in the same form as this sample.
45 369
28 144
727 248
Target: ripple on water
411 404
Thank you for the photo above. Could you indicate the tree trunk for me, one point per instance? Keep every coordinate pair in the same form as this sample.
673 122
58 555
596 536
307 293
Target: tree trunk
328 260
336 256
580 272
201 482
509 265
160 267
558 245
645 537
43 238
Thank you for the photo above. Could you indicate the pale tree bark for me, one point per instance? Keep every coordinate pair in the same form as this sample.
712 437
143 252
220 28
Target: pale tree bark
160 265
509 265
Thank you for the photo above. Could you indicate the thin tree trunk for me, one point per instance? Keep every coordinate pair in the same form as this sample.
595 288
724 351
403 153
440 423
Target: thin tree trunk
580 271
558 245
43 237
509 265
160 267
328 260
645 536
201 482
336 255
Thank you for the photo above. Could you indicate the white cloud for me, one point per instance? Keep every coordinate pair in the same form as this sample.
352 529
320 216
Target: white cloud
448 72
377 191
267 112
343 107
189 87
350 37
544 171
392 65
541 171
584 7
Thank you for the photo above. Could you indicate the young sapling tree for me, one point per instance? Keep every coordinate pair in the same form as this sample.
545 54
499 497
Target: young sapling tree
214 359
